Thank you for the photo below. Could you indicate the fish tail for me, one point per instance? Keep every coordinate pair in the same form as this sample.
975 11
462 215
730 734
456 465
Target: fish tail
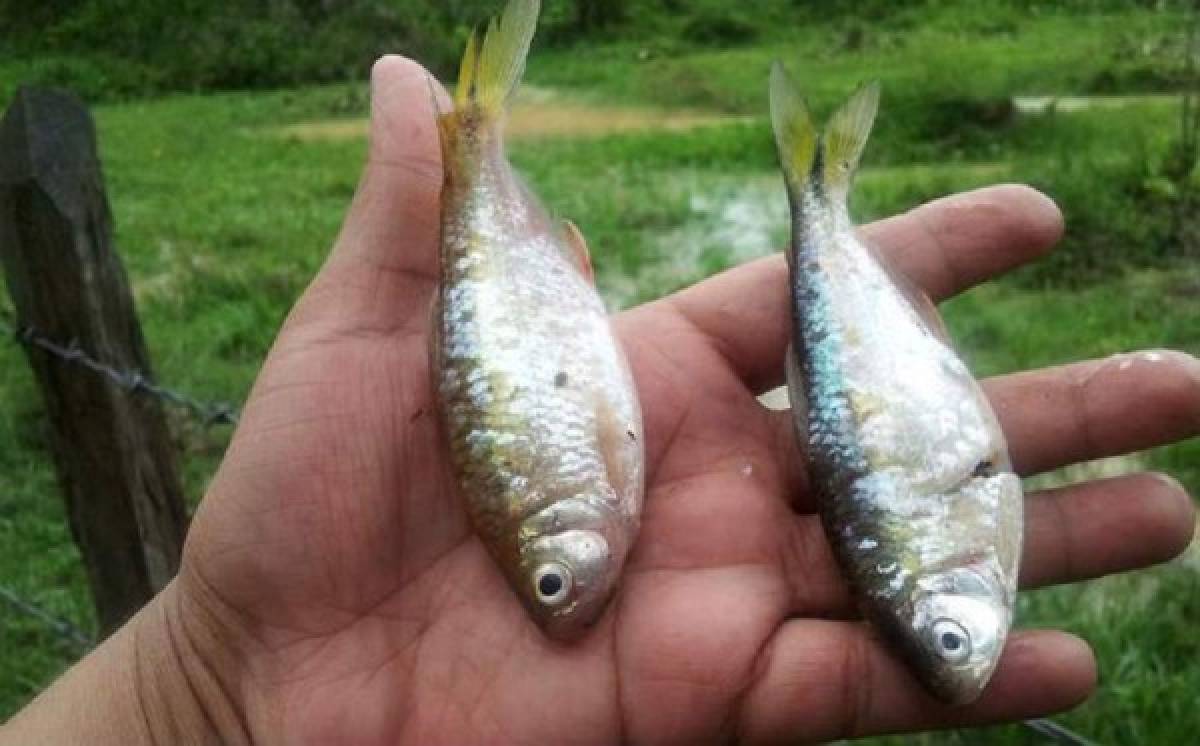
824 162
491 68
795 135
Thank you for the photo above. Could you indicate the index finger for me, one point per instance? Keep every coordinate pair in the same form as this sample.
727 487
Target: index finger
945 246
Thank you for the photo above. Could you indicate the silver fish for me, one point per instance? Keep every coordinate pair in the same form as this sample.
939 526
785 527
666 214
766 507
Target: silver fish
537 402
915 488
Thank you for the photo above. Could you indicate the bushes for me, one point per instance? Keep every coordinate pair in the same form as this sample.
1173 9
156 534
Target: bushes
115 49
107 49
722 26
1106 171
119 48
94 77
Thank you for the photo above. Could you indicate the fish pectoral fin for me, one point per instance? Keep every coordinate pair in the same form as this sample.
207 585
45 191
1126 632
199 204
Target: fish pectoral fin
577 250
917 298
614 437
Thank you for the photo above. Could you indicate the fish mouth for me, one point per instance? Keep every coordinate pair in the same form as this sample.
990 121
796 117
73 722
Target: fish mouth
573 623
961 685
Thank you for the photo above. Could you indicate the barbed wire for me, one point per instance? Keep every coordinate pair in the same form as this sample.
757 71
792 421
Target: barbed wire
61 627
1057 733
208 412
132 381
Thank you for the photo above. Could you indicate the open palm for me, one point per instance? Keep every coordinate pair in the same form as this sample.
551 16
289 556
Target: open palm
332 570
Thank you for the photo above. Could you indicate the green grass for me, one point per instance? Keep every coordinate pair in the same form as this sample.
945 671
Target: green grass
920 56
222 224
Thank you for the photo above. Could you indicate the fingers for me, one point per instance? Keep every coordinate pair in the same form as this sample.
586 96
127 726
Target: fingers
1071 413
1089 410
383 268
946 246
1071 533
821 680
956 242
1102 527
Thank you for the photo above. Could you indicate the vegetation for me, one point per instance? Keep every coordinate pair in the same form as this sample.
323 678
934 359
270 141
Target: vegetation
118 49
223 217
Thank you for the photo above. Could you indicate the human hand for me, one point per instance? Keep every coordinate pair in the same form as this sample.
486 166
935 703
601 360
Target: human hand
333 592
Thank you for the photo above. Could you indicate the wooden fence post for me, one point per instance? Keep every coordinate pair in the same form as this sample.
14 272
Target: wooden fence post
113 452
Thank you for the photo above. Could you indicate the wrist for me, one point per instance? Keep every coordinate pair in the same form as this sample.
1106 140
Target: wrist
187 680
152 683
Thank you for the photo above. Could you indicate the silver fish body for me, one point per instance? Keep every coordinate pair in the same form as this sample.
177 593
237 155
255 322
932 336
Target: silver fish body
537 401
915 487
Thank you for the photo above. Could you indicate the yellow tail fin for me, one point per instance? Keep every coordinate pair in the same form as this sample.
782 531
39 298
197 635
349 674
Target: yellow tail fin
492 66
795 135
832 158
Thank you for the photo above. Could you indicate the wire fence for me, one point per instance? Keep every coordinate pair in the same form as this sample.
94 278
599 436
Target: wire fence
210 413
65 630
207 413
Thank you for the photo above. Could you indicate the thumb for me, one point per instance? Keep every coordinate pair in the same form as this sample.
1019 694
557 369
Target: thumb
383 268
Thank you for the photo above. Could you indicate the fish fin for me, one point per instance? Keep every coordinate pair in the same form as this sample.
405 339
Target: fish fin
445 120
920 301
926 309
795 135
468 69
577 250
845 137
492 65
434 341
613 437
796 395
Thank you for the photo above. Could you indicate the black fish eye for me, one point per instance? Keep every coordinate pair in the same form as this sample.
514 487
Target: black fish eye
552 583
950 641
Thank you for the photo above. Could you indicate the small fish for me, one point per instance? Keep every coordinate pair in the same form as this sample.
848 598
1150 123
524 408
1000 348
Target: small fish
915 488
536 399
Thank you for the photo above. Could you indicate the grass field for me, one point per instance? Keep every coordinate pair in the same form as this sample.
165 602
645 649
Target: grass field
226 205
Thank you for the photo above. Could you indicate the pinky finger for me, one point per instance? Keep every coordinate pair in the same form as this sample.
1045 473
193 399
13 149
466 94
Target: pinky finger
823 680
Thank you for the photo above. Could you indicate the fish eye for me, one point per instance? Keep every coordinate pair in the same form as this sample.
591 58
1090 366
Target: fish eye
552 583
951 642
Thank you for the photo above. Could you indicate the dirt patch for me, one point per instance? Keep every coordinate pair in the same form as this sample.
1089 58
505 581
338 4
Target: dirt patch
537 119
1068 104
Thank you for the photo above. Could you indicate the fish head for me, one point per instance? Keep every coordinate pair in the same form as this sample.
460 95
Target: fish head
572 553
959 624
566 580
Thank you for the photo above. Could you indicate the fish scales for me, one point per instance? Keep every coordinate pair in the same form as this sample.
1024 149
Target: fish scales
914 484
537 402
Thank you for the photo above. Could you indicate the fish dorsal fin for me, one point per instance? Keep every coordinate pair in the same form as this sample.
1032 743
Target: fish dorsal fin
845 137
577 249
920 301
